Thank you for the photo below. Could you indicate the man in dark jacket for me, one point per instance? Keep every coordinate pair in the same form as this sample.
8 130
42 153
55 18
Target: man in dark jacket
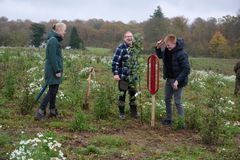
176 69
237 82
53 69
122 71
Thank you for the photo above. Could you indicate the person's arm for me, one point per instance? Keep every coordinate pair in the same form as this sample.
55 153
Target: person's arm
159 52
116 63
236 67
158 49
184 64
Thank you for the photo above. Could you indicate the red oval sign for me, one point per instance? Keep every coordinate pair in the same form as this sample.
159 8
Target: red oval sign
153 73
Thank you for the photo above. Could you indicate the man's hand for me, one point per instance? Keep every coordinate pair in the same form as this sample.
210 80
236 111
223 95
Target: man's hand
175 85
159 44
58 75
117 78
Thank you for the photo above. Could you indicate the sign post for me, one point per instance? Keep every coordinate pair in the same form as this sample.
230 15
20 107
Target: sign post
153 77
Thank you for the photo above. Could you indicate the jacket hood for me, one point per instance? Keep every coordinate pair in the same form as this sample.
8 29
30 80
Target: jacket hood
52 33
180 44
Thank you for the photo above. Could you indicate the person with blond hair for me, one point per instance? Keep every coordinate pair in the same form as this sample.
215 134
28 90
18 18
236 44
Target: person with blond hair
176 69
53 70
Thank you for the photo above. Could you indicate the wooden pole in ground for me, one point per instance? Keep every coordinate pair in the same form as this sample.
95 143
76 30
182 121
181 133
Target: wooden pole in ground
153 77
153 110
86 102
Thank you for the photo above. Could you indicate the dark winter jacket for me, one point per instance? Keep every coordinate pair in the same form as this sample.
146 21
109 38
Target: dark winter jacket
121 63
180 63
237 70
54 59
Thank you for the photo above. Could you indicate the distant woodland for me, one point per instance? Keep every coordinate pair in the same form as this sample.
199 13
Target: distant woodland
209 38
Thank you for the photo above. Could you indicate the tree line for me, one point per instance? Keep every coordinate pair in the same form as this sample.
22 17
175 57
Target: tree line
212 37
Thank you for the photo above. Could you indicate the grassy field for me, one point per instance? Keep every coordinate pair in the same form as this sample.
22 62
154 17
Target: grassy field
212 112
224 66
218 65
99 51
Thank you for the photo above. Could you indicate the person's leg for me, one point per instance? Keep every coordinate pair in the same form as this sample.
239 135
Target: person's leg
52 98
42 109
132 101
168 99
180 108
45 101
121 104
237 87
178 101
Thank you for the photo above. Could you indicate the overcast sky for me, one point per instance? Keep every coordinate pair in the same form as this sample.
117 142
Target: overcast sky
114 10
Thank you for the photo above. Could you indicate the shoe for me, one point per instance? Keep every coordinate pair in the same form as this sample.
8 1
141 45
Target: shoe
135 115
167 122
122 117
53 113
184 127
40 115
181 127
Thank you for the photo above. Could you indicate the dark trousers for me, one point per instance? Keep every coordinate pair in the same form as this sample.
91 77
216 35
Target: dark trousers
169 93
133 106
237 86
50 97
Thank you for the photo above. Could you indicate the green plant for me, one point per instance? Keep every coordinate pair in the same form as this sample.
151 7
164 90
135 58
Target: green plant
179 123
212 131
5 113
26 97
3 100
102 105
79 123
108 141
229 154
4 139
9 85
147 110
43 147
90 149
194 117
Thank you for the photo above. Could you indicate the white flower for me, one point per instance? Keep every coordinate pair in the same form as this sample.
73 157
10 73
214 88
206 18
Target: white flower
28 148
85 71
227 123
73 56
230 102
31 70
50 145
95 84
137 94
61 154
205 74
36 140
41 79
0 126
25 142
39 135
237 123
55 158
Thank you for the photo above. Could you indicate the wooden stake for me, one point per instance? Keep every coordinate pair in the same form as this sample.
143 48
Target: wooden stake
153 110
86 103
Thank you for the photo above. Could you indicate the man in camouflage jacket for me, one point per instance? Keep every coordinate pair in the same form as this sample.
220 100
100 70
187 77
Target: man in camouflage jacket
123 69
